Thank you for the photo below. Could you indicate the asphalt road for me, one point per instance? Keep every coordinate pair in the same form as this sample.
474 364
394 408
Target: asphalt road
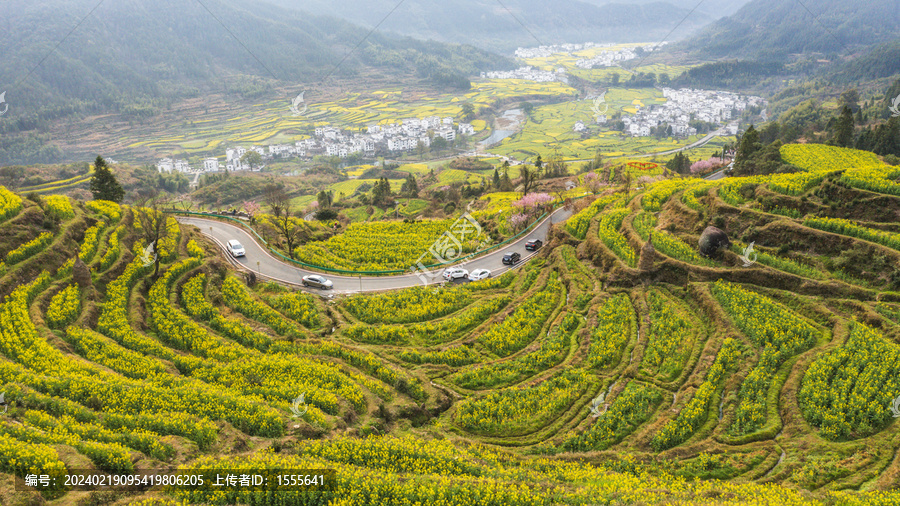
259 260
715 176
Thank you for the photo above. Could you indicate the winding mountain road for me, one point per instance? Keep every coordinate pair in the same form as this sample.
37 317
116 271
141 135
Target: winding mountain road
259 260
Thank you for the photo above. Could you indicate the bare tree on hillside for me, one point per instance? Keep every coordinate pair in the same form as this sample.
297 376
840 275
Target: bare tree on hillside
153 225
289 227
527 178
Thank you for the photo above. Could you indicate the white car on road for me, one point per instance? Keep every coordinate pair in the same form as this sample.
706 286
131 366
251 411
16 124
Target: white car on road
235 248
479 274
451 273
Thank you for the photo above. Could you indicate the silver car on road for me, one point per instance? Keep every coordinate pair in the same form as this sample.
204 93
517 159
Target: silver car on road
317 281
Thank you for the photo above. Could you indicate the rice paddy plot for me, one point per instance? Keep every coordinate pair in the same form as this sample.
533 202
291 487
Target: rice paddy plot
346 189
448 176
416 169
303 201
357 170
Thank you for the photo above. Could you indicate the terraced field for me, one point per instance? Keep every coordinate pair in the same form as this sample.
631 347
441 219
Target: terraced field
601 372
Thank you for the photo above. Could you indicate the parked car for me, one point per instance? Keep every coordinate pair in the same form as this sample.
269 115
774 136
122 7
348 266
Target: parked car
533 244
479 274
511 258
317 281
451 273
235 248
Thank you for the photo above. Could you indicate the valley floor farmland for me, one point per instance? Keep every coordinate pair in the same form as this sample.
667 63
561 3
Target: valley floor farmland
206 127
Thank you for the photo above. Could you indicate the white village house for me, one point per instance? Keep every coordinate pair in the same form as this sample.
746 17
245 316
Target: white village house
211 165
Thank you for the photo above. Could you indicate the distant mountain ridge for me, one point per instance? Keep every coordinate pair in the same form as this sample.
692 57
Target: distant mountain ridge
502 27
715 10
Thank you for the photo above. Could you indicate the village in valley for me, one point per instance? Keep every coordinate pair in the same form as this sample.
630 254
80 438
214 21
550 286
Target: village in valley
408 135
529 73
678 116
684 106
607 58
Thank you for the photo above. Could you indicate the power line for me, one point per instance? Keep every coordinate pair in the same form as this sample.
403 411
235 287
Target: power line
58 44
816 19
237 39
520 23
361 41
667 36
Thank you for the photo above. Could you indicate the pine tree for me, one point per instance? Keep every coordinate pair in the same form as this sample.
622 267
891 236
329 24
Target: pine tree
410 187
679 164
748 146
506 182
843 128
597 162
381 193
325 199
103 183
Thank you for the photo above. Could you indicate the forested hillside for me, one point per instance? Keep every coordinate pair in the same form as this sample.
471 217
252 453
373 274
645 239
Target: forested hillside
780 31
136 58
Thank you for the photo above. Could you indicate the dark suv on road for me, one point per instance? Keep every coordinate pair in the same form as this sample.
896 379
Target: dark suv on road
511 258
533 244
